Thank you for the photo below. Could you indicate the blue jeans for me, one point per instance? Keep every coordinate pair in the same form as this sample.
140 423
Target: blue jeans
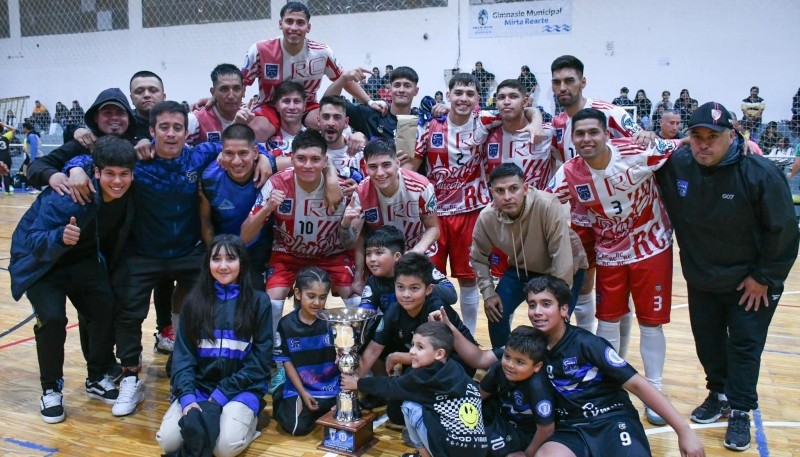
577 282
510 289
412 413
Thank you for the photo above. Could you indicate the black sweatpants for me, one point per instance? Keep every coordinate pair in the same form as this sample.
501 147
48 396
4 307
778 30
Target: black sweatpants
133 281
293 415
88 287
729 342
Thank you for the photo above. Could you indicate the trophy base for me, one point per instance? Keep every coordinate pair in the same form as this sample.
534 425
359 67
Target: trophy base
347 438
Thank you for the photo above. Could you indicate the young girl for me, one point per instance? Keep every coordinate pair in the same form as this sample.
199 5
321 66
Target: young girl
305 347
223 350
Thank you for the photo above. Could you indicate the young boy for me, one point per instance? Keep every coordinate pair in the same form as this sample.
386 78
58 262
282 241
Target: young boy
61 250
595 414
519 401
413 275
441 403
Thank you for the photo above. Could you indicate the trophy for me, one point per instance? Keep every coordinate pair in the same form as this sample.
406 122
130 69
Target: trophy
347 431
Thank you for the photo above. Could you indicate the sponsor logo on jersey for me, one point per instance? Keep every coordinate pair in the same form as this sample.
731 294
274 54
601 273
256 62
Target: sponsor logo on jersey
226 205
584 192
494 150
622 425
559 135
518 398
294 343
613 358
570 365
286 206
213 137
544 408
437 140
371 215
683 187
271 71
191 175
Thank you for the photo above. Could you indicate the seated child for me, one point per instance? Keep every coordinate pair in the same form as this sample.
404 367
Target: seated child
595 416
413 275
518 399
304 345
441 403
223 348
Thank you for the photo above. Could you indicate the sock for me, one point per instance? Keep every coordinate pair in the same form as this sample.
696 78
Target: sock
176 317
609 331
469 307
653 348
584 312
277 313
352 302
625 334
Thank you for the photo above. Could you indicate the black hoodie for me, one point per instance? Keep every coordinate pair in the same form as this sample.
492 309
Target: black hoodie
43 167
451 405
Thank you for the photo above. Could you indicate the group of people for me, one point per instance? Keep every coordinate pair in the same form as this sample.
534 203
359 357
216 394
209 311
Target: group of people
233 210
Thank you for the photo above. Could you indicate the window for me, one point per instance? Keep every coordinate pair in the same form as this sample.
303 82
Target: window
325 8
45 17
166 13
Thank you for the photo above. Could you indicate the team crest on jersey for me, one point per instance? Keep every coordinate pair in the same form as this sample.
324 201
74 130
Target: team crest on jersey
293 343
371 215
584 192
191 175
614 359
271 71
559 135
570 365
214 137
494 150
431 206
518 398
437 140
286 206
683 187
628 124
544 408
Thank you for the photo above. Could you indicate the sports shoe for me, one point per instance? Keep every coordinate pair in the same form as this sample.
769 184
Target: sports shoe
131 393
165 340
653 417
278 379
51 407
104 390
711 410
737 437
115 373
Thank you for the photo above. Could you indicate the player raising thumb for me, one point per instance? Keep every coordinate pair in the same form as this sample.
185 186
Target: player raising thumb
71 232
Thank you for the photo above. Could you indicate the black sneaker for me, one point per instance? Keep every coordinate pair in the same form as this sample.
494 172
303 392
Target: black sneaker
103 389
737 437
51 406
711 410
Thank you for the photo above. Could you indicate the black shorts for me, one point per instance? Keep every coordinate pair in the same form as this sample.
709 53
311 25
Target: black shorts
504 436
293 415
620 435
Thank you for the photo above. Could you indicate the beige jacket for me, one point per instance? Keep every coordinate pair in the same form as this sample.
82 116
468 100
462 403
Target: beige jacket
538 241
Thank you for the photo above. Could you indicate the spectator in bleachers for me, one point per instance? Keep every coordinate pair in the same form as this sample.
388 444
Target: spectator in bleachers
11 119
528 80
794 122
664 101
62 114
485 80
643 107
40 117
769 138
75 116
669 125
751 145
387 74
753 107
683 105
438 97
623 99
374 84
656 119
185 105
782 149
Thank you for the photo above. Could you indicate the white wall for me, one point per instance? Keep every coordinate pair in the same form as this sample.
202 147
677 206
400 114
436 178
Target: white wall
715 48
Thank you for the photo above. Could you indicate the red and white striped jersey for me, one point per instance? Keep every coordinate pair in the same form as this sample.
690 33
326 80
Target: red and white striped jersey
280 144
620 125
269 62
414 199
209 127
343 161
457 168
303 227
629 220
536 160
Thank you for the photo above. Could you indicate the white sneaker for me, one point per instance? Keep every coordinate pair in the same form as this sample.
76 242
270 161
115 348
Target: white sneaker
131 393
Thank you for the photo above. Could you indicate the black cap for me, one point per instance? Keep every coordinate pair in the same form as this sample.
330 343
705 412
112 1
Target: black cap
711 115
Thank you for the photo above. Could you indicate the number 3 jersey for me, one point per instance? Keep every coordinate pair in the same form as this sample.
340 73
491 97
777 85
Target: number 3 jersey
630 221
588 374
303 227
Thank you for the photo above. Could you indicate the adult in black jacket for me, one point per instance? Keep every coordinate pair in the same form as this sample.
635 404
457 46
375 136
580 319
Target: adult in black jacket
735 223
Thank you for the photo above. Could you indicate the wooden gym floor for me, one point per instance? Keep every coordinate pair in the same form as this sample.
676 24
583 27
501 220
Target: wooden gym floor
91 430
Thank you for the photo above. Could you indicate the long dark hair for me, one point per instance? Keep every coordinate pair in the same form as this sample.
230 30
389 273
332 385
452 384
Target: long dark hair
197 315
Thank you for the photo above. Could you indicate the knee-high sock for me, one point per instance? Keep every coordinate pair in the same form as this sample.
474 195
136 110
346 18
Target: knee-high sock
469 307
584 312
653 347
609 331
277 313
625 334
352 302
